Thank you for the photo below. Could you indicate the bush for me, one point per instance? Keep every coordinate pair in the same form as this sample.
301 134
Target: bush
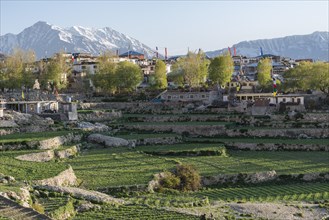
183 178
190 179
38 207
170 181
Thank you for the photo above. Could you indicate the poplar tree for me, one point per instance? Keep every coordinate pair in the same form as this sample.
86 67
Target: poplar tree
264 69
159 79
220 69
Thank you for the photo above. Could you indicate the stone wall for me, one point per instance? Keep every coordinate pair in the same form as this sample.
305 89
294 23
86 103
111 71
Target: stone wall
88 195
65 178
262 177
252 178
100 116
221 130
49 155
152 141
53 143
275 147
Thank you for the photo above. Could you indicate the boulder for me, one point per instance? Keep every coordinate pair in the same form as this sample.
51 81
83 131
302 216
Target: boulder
97 127
108 141
37 157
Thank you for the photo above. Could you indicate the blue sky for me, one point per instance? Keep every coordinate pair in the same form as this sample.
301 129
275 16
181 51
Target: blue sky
177 25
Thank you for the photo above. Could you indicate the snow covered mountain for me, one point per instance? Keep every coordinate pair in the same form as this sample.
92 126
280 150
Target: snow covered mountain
314 46
46 39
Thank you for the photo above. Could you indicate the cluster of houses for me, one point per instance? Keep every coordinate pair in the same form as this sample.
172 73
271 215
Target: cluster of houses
244 77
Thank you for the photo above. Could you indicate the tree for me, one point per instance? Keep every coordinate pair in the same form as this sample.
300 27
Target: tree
105 76
320 77
264 68
128 76
159 79
193 68
15 71
55 72
220 69
307 76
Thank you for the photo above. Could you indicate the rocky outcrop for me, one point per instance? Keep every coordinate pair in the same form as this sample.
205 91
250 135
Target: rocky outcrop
49 155
6 179
48 144
53 143
97 127
67 153
155 182
89 195
108 141
252 178
37 157
8 124
65 178
100 116
23 196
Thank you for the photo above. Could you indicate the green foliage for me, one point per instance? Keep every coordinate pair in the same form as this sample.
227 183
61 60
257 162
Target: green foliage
142 212
177 77
190 179
105 77
38 207
170 181
307 76
193 69
159 79
128 76
15 71
271 192
264 68
221 69
54 72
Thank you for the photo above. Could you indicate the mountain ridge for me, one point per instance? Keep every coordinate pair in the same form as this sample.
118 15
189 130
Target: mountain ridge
314 46
46 39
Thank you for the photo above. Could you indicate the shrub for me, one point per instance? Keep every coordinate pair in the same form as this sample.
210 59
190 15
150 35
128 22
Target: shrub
38 207
170 181
190 179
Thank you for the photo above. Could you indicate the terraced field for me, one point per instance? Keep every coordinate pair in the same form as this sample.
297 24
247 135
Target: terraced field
269 193
25 137
25 170
133 212
12 210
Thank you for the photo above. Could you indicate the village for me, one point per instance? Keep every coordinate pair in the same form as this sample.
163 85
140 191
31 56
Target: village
185 148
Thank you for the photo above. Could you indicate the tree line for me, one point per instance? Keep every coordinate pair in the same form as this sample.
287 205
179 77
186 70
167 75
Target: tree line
194 70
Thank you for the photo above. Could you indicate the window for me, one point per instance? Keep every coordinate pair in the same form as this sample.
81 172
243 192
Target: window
181 96
169 96
203 96
284 100
293 99
298 100
83 67
191 96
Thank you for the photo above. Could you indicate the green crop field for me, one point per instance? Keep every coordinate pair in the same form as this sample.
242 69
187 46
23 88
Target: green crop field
115 167
133 212
288 192
262 140
36 136
26 170
99 168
